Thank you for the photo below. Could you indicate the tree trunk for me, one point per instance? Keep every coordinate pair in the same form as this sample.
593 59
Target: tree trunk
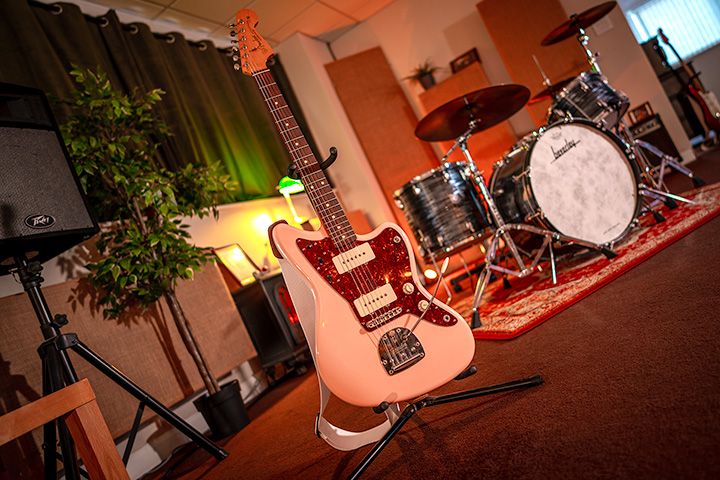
186 334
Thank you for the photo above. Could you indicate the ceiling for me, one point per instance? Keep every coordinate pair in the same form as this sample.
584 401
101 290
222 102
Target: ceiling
207 19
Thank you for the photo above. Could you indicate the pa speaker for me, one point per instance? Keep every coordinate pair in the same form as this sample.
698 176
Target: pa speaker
43 211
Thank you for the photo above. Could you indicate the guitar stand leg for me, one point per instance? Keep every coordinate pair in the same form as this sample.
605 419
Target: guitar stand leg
414 407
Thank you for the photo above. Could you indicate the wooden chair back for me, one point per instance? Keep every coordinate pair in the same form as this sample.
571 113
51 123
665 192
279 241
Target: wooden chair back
77 404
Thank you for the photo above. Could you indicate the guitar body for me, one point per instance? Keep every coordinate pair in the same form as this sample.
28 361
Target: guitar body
352 350
705 100
708 104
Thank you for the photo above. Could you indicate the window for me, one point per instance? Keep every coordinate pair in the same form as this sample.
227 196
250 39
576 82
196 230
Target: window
692 26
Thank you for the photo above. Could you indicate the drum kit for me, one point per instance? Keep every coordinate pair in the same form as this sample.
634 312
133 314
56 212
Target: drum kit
581 180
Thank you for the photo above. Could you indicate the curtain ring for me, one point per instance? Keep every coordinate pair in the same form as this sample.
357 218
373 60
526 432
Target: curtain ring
57 9
104 22
170 38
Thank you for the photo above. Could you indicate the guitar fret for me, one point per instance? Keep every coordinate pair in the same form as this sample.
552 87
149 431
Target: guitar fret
321 195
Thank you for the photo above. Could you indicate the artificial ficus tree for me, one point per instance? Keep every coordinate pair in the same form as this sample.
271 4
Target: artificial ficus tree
113 139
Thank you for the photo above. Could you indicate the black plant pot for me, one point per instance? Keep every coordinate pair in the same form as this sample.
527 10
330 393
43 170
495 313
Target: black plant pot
223 411
427 80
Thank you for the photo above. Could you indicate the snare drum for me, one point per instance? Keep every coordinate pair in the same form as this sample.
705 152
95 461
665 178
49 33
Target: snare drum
574 178
591 97
444 210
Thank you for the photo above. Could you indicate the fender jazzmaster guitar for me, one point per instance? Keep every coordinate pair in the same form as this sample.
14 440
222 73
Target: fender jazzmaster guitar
363 291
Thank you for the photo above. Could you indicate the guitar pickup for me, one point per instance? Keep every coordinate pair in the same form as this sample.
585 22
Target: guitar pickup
375 300
353 258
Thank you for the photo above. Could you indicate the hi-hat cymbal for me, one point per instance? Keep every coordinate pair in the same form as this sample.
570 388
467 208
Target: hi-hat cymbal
577 21
488 107
549 92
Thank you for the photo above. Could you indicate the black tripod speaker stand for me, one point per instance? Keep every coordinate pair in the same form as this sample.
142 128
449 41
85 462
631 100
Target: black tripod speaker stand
58 372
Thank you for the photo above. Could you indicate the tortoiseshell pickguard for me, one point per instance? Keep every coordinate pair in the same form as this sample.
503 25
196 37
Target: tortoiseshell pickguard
390 265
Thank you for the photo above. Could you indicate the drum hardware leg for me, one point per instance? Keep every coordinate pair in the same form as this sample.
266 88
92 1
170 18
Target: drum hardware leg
661 195
549 238
552 263
444 281
506 283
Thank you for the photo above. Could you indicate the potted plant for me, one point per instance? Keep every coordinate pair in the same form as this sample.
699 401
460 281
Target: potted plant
113 139
424 74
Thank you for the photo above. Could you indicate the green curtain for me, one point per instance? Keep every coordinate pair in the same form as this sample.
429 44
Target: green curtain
214 112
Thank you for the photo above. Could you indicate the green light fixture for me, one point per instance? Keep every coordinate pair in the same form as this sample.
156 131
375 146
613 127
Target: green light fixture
287 186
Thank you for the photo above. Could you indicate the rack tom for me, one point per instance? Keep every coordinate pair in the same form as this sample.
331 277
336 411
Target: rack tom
444 210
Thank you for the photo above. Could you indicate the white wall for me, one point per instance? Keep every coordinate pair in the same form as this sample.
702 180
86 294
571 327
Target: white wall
627 68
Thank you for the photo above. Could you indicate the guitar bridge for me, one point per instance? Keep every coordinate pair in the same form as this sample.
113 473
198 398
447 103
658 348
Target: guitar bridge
399 349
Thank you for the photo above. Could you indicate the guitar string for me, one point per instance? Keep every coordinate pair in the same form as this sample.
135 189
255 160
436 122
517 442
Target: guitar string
366 281
263 83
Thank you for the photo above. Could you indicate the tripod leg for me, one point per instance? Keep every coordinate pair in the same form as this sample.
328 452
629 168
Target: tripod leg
133 389
49 430
52 382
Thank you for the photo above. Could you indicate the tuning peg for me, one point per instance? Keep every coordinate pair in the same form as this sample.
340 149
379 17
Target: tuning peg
233 33
234 41
235 58
230 25
236 66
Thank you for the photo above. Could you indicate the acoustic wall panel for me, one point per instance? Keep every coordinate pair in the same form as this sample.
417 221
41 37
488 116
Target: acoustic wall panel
383 121
517 27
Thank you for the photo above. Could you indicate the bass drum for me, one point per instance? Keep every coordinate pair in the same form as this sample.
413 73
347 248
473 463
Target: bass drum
574 178
444 210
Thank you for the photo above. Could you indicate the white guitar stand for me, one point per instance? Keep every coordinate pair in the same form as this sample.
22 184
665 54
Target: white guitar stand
337 437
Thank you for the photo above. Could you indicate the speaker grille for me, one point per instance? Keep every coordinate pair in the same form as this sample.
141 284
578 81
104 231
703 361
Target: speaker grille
37 181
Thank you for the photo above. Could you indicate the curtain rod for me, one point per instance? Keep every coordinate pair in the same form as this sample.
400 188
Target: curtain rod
57 9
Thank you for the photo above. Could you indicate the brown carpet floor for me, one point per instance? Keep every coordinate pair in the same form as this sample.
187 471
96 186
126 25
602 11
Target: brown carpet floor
632 390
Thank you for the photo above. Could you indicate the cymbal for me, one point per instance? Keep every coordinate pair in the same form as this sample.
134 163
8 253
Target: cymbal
577 21
489 106
549 92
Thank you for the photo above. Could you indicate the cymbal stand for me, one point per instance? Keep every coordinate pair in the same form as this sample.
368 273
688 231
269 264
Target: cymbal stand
502 230
584 39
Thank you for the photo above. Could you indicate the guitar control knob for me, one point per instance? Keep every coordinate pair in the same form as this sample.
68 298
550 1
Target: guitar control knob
423 305
408 288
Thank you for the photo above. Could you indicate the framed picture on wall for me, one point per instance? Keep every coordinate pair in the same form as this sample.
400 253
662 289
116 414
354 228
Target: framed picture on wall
640 113
471 56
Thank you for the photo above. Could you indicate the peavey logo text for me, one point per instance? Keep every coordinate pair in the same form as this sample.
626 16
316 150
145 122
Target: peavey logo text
40 221
564 149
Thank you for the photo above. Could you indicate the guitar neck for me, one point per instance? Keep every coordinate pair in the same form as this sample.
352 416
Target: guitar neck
321 195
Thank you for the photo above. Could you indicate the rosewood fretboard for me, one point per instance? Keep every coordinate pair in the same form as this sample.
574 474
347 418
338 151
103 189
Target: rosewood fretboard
321 195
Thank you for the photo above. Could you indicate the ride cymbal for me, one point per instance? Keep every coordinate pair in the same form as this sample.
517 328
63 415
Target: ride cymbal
576 22
487 107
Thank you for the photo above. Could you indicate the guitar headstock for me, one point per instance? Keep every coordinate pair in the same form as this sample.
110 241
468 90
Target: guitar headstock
252 51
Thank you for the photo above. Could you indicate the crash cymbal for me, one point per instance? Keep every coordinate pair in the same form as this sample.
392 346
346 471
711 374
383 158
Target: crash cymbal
488 106
577 21
549 92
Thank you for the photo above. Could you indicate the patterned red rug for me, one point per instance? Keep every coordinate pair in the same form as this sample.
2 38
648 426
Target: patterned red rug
507 313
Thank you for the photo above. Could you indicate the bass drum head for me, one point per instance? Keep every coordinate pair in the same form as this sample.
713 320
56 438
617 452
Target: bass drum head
584 183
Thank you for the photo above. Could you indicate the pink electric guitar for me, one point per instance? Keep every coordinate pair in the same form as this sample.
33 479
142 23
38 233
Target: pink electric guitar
358 297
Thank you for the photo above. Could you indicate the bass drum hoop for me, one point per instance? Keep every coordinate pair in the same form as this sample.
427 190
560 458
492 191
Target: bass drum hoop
527 186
